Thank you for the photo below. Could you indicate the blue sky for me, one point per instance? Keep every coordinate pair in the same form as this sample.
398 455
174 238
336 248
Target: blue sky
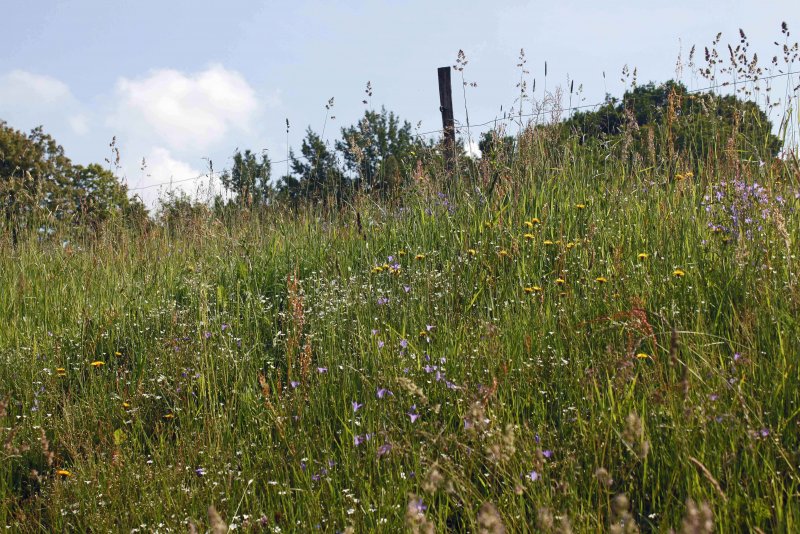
178 81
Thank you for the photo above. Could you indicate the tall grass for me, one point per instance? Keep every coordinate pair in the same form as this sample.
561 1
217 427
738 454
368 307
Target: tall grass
575 348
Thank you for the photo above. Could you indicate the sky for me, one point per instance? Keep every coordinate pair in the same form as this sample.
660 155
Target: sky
180 82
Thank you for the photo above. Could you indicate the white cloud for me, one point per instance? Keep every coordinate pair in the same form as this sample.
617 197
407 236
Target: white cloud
472 149
26 88
185 111
164 172
28 100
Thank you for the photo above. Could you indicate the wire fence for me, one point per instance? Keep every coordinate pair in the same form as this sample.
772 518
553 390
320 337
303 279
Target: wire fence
505 118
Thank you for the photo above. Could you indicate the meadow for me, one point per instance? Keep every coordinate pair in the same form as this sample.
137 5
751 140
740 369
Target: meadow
561 346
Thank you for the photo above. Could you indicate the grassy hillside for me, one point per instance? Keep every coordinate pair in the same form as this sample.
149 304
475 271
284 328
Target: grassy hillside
585 346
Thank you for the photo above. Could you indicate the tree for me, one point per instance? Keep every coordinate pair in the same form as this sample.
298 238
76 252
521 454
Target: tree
249 178
379 150
662 122
36 177
316 175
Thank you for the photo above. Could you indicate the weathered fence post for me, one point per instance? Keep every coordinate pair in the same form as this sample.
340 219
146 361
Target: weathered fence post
448 124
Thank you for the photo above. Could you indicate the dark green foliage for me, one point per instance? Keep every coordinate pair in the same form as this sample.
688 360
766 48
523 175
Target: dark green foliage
249 178
657 124
38 181
316 175
379 150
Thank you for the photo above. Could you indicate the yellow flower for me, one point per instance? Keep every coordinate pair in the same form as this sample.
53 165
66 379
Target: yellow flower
98 363
63 473
560 281
504 253
548 242
642 356
535 220
472 252
169 416
61 371
118 353
580 206
643 256
377 269
533 289
529 236
401 252
126 405
529 224
601 279
570 245
419 257
678 273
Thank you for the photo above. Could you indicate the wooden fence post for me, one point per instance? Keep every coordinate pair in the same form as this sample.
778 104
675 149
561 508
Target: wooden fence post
448 123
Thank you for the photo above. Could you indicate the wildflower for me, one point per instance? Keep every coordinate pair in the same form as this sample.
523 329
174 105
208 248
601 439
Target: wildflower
401 252
419 257
169 416
294 384
118 353
642 356
472 252
404 343
382 392
601 279
504 253
200 472
570 245
529 236
678 273
126 405
643 256
356 406
560 281
321 370
384 449
580 206
412 413
97 364
535 220
63 473
548 242
533 475
377 269
61 371
529 224
489 520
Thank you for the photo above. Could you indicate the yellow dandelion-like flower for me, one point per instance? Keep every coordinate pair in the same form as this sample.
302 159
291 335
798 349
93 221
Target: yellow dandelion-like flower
570 245
61 371
529 224
548 242
601 279
643 256
678 273
536 220
401 252
504 253
419 257
126 405
529 236
118 353
377 269
423 334
472 252
169 416
63 473
560 281
642 356
580 206
98 364
533 289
